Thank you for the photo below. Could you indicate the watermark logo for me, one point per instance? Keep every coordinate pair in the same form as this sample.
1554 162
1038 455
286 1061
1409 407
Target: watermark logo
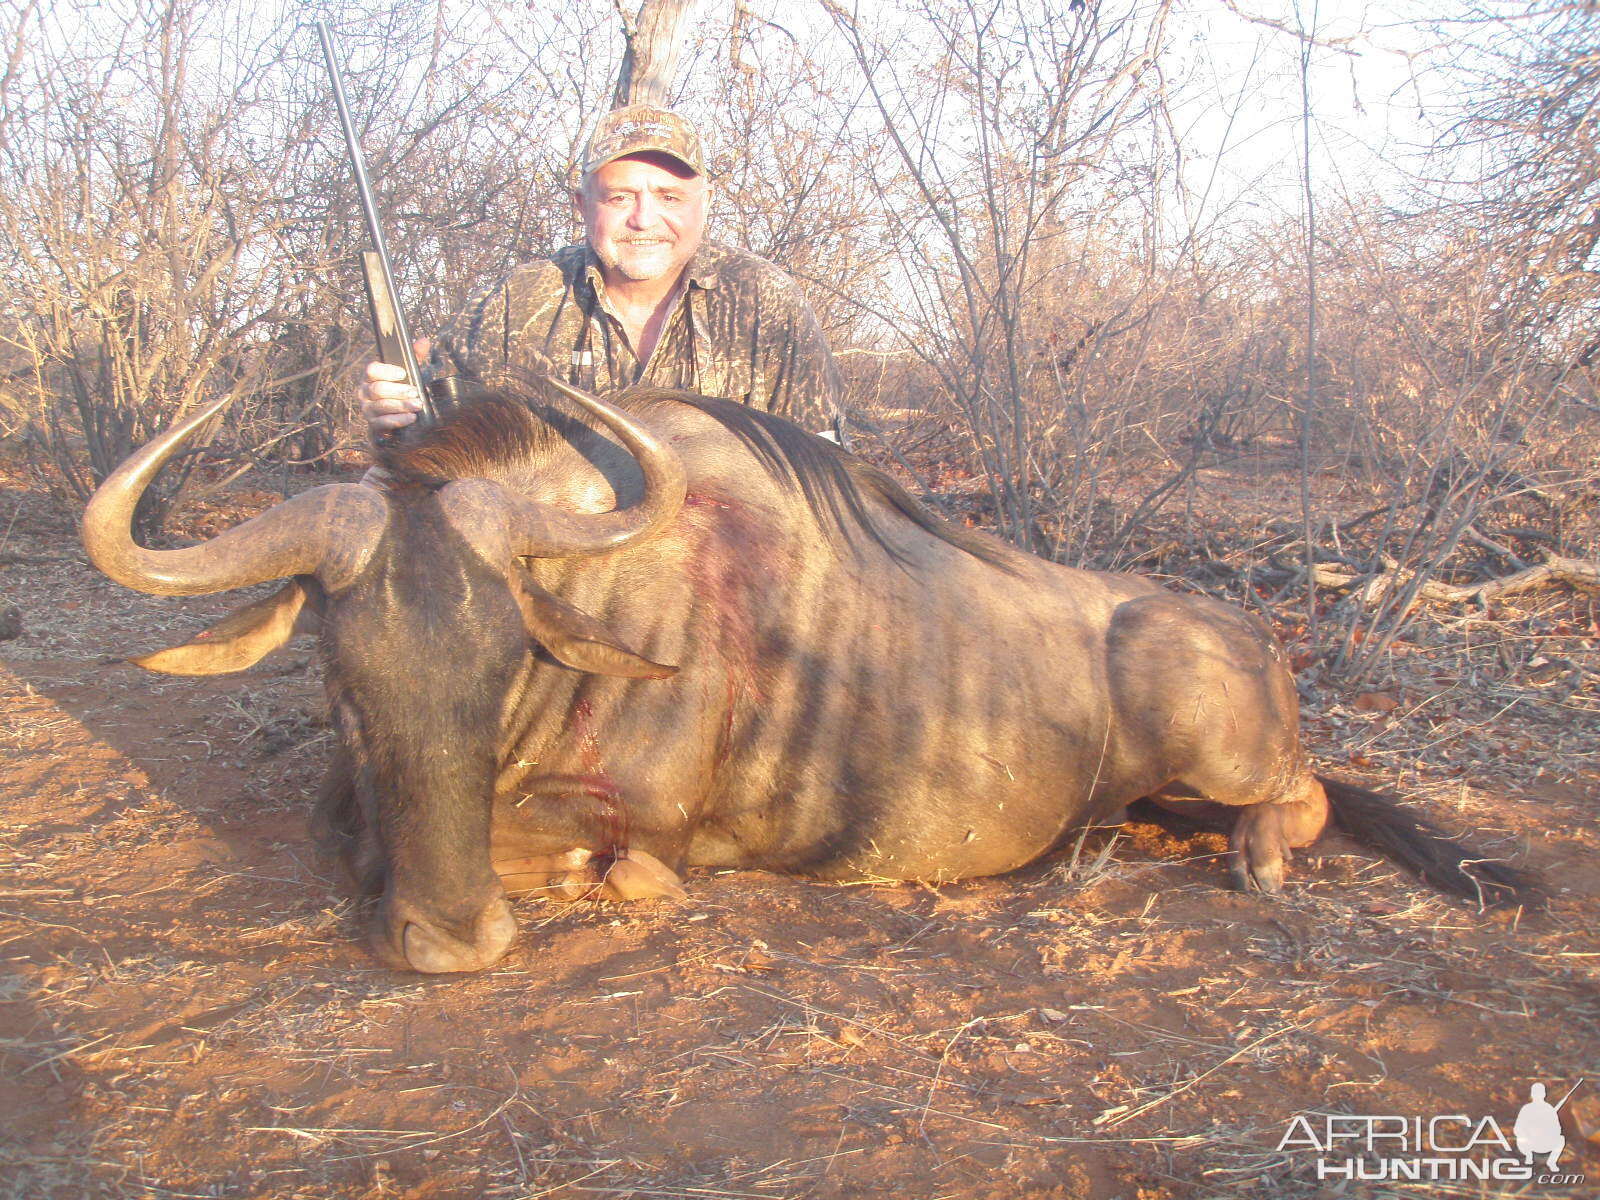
1449 1146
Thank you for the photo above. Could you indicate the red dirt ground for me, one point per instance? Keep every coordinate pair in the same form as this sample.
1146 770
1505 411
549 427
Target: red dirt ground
186 1010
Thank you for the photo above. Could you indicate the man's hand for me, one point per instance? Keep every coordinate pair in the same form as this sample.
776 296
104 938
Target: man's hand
387 401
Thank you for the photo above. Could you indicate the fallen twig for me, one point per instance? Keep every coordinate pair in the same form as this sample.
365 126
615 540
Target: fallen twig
1578 573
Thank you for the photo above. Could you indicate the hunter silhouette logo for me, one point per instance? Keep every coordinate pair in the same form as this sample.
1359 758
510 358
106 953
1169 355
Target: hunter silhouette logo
1538 1127
1450 1146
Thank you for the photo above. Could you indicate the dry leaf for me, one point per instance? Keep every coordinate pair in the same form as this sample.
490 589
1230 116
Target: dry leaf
1377 702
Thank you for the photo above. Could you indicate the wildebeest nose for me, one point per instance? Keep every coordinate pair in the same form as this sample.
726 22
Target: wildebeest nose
436 951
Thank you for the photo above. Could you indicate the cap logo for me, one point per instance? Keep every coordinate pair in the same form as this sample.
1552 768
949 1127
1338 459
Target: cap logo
643 128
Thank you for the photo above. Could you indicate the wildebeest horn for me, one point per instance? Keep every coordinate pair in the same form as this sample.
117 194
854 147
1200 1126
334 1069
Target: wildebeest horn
328 532
542 531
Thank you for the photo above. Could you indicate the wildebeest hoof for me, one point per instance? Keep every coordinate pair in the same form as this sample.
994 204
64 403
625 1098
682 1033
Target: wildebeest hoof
1258 850
1264 877
641 876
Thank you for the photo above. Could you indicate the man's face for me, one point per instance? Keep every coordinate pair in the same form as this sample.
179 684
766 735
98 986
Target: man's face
643 215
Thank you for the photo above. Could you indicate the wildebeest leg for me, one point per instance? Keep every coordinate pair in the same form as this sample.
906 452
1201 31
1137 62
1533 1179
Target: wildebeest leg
588 816
1263 835
578 874
640 875
1263 831
1204 691
564 876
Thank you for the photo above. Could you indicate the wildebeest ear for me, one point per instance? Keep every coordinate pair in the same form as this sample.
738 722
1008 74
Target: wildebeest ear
241 639
575 638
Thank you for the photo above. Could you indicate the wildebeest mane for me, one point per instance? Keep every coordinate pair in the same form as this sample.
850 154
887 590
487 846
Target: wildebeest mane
832 482
498 434
488 434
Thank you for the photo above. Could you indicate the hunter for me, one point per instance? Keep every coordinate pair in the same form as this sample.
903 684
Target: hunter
645 299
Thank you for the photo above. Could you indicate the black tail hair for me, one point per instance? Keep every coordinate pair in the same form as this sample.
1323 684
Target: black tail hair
1421 847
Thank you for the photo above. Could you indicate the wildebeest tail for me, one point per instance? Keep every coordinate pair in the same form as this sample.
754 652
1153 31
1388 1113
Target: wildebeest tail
1378 821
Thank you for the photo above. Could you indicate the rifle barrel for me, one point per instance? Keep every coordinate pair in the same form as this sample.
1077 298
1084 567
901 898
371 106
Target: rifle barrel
394 338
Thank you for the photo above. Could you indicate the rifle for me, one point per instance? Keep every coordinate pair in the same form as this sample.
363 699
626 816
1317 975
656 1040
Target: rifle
388 322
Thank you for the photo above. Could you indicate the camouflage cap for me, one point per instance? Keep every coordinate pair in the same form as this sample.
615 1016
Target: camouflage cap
639 128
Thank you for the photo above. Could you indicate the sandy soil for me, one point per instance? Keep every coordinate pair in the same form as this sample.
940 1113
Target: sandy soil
186 1010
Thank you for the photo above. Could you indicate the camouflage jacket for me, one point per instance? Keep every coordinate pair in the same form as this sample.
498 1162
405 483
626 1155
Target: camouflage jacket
741 329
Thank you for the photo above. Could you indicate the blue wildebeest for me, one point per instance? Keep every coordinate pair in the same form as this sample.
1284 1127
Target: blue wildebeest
583 648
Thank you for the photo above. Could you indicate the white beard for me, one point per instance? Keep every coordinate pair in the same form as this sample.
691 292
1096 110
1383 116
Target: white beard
641 264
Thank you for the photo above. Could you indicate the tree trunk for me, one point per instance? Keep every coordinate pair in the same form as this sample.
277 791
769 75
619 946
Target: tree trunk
651 58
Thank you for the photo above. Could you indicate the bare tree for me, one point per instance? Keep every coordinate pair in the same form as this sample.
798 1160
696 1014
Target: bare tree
1499 327
136 229
1002 118
182 223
